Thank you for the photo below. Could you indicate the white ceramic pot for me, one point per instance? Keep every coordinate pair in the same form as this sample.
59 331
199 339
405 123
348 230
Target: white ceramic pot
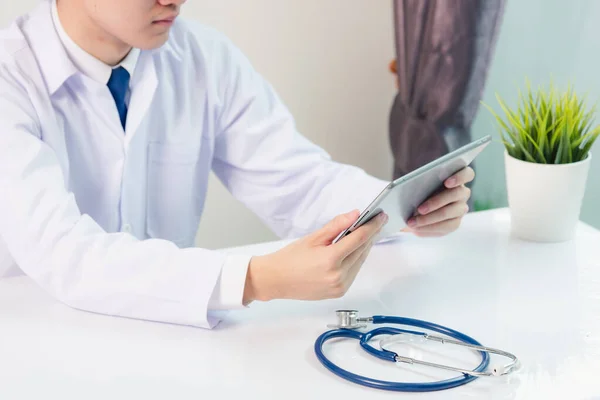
545 199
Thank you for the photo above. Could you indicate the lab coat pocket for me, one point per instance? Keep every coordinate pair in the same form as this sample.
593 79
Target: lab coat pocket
172 200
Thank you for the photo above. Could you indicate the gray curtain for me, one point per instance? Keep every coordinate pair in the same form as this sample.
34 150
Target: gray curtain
444 50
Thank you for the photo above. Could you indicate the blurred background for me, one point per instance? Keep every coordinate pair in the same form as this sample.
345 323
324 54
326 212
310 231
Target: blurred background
330 63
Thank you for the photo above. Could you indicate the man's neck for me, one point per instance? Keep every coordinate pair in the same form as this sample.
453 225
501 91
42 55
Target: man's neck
88 35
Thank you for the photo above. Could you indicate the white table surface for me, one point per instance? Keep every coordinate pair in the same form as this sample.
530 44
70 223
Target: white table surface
539 301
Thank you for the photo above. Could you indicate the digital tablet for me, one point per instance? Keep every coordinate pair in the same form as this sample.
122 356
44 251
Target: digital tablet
401 197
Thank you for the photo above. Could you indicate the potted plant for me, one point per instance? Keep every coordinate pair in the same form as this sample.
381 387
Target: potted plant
547 140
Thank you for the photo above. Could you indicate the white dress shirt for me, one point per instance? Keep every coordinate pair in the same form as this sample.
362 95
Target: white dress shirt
104 218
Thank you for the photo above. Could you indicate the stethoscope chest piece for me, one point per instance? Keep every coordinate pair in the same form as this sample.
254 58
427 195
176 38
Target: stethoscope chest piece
349 324
348 319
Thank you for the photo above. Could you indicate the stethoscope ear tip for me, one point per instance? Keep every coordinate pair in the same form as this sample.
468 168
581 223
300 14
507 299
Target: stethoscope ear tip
500 370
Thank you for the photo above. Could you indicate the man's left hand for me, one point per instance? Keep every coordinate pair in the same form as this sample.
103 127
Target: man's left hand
442 213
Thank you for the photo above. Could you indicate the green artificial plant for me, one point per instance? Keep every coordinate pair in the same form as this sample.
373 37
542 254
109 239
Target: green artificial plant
547 126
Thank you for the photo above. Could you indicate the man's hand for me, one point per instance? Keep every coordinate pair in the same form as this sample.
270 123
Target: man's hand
313 268
442 213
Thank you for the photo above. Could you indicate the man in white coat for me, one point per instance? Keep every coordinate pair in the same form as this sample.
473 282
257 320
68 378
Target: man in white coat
112 115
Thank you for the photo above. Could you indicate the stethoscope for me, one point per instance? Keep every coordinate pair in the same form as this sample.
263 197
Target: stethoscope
349 323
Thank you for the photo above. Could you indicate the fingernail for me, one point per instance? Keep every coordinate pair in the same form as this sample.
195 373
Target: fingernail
424 209
451 181
412 222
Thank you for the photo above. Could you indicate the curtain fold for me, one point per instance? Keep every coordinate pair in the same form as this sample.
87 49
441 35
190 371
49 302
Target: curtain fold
443 54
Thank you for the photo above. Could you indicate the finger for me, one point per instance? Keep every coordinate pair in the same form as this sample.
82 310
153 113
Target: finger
359 237
451 211
448 196
351 259
356 267
462 177
438 229
331 230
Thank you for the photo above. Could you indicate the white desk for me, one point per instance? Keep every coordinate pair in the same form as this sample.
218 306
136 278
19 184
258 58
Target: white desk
540 301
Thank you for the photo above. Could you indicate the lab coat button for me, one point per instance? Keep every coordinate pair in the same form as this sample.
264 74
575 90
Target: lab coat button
127 228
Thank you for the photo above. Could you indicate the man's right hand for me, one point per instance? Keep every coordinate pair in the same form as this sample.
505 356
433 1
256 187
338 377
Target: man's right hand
312 268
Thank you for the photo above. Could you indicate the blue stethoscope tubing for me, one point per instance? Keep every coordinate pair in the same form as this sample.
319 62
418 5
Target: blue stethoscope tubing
364 338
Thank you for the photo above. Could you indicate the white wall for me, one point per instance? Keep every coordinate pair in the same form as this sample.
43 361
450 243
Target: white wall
10 9
328 60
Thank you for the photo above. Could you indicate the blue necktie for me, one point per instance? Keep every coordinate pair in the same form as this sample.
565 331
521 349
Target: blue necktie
118 85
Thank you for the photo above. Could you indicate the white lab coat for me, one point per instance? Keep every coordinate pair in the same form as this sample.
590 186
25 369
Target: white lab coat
103 219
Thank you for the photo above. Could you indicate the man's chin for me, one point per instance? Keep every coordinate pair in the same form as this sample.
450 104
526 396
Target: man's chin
154 42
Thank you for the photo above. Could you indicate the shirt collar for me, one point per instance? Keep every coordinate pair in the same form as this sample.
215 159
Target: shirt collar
85 62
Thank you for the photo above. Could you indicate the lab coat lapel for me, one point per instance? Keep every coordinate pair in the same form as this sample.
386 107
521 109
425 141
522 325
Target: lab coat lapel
48 67
55 69
54 64
143 88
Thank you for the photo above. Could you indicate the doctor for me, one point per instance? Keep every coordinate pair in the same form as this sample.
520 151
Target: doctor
112 115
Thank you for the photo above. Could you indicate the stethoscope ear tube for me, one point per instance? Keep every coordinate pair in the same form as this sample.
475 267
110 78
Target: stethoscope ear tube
456 338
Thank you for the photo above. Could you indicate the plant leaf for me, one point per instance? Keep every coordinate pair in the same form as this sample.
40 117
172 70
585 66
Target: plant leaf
519 141
547 126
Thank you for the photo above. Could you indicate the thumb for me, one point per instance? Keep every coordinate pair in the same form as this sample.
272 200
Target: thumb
333 228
